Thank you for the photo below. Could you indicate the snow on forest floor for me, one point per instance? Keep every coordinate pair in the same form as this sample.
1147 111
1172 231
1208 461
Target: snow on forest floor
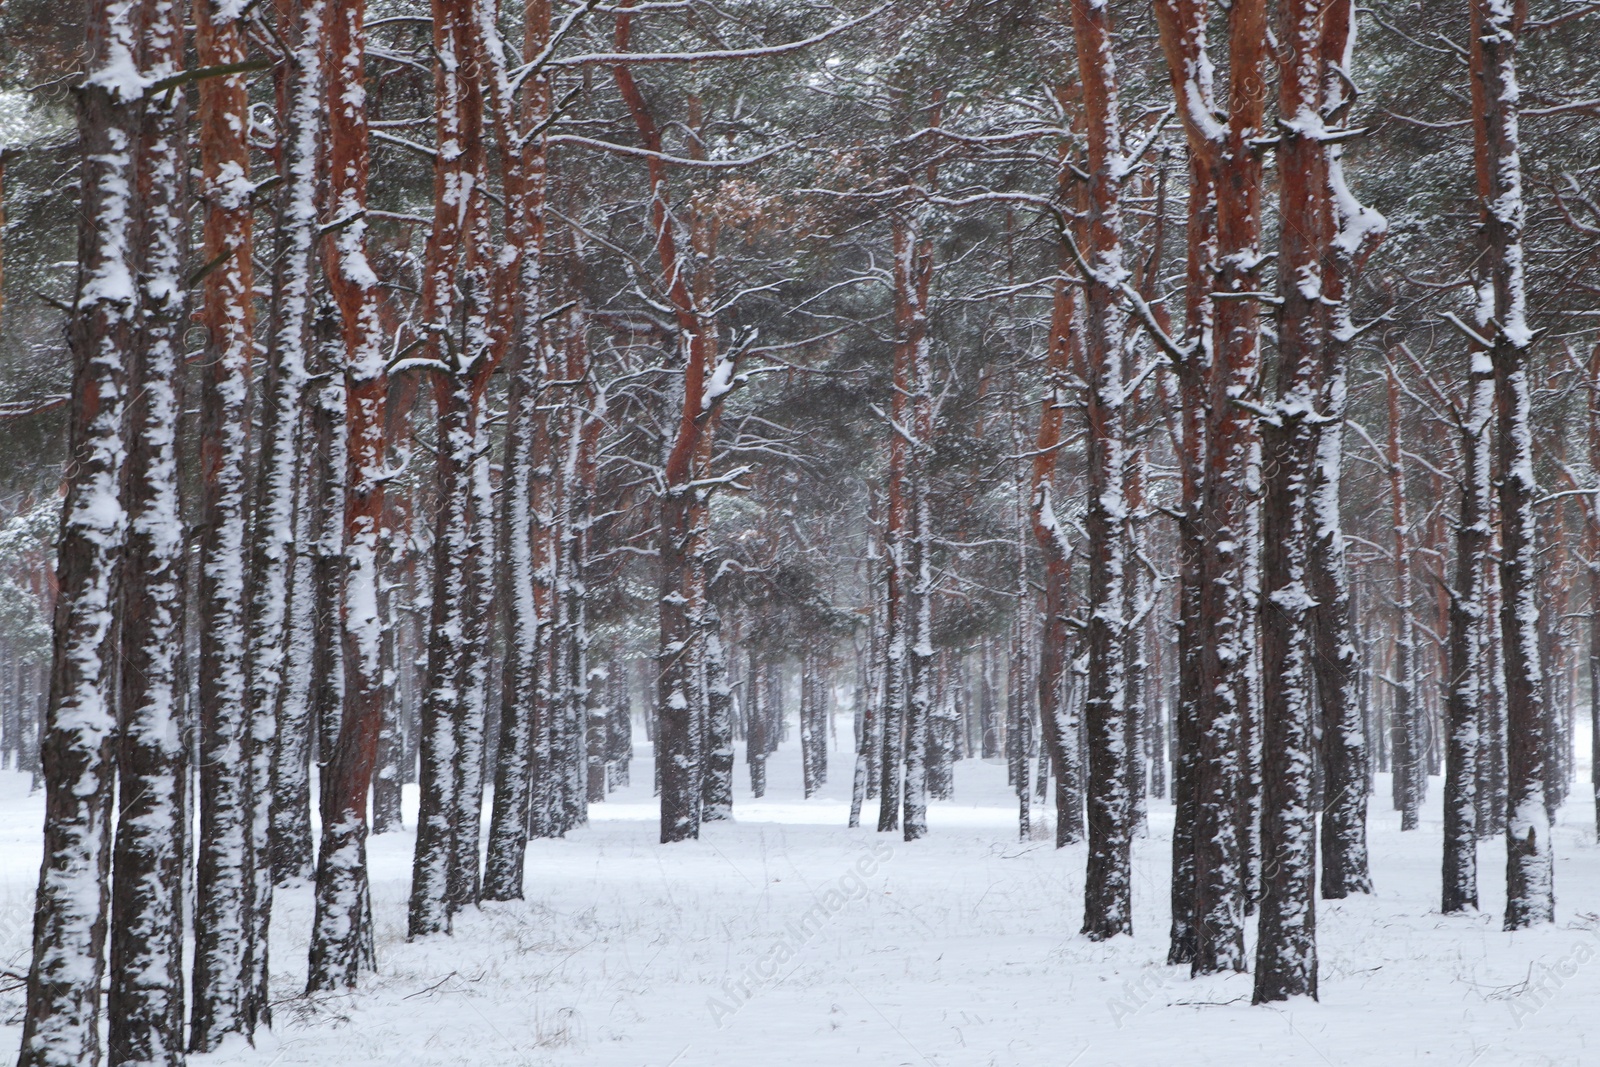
786 939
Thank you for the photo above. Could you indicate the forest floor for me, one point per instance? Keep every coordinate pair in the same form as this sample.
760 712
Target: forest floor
784 938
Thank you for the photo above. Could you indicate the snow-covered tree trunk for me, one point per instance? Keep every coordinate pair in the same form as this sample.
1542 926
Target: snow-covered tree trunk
289 831
1225 630
1492 727
478 354
1139 592
1496 27
61 1025
687 278
1286 947
619 731
913 271
392 567
1591 545
813 724
1357 229
755 707
869 722
1344 747
466 883
226 953
524 182
331 441
906 571
892 714
145 1001
990 722
341 941
311 706
513 773
1108 904
1185 392
716 787
574 477
1406 727
430 873
1057 725
455 291
1468 619
274 523
1224 260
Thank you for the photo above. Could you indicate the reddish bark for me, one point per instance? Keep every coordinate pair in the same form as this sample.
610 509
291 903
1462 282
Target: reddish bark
341 946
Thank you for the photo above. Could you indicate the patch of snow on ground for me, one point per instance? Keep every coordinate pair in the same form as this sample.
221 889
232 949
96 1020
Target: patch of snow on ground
785 939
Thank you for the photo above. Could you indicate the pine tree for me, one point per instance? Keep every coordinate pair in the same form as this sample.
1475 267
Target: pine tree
145 998
61 1023
1286 949
341 942
1357 230
226 926
1496 26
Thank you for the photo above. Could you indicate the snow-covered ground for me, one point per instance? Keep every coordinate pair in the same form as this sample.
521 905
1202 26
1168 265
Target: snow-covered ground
786 939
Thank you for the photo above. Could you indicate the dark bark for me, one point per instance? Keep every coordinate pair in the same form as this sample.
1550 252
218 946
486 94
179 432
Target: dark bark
342 939
61 1023
1464 698
1286 947
716 786
227 953
1496 27
145 1002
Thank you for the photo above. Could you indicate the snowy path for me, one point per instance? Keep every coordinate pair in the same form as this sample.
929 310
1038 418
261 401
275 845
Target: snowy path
961 949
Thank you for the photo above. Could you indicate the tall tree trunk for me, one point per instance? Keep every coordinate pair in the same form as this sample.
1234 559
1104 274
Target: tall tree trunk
430 873
341 938
755 746
895 626
1591 546
61 1023
1108 904
1187 394
1286 948
687 280
913 272
869 723
716 801
1406 727
289 837
226 952
1357 231
145 1002
813 727
1222 367
457 348
1496 26
1139 592
1468 618
524 180
1058 727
